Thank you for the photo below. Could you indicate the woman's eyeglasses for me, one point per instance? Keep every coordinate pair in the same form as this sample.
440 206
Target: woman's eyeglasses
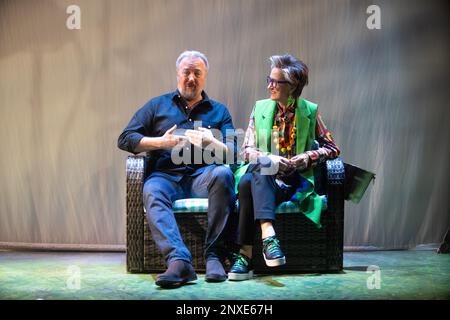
275 82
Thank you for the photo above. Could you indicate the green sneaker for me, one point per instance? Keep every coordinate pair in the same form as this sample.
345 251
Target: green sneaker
272 253
242 268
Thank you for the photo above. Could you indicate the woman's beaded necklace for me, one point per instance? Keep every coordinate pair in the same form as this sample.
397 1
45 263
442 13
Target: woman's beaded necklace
284 131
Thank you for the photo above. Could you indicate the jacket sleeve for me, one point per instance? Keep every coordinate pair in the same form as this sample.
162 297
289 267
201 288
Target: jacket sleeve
328 148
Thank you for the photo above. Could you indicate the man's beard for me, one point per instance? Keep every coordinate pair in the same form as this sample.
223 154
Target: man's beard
189 93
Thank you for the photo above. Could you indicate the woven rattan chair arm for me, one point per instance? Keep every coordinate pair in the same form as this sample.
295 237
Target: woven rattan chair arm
135 213
135 168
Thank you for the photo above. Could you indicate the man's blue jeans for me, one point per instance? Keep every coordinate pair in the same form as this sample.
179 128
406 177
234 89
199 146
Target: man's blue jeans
215 182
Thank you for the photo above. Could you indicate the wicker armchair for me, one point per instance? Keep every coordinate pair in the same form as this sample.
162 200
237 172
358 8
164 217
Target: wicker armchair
307 248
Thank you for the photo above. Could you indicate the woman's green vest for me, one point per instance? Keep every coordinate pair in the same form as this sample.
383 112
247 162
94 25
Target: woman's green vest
305 116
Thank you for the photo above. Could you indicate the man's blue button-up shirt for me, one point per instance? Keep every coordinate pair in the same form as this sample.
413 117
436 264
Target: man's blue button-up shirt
163 112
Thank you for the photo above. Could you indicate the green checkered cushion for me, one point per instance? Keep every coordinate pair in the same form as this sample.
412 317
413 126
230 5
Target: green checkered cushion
201 205
191 205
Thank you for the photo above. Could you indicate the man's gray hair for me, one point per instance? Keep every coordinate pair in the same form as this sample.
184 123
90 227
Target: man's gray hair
294 71
192 54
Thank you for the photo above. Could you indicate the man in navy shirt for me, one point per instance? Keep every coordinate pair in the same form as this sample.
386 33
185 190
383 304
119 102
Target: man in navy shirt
186 160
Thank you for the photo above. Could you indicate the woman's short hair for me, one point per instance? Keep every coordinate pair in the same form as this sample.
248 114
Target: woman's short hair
192 54
294 71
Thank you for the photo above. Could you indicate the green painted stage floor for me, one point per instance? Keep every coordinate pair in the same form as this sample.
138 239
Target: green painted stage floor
56 275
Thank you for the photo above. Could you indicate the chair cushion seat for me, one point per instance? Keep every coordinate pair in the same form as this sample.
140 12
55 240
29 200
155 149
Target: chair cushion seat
191 205
201 205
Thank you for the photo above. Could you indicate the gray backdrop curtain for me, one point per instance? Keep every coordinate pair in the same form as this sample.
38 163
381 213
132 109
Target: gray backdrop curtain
65 96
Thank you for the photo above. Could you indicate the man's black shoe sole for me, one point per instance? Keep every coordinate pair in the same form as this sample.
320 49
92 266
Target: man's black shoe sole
215 278
172 284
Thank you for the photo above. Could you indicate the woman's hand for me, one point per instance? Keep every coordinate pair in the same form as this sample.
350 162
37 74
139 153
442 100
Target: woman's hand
300 161
284 165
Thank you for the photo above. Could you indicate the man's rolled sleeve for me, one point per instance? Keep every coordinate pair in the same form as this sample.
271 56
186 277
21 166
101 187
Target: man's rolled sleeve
132 134
128 141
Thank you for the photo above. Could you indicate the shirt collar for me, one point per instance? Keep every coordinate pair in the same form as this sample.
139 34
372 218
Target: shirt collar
290 108
176 96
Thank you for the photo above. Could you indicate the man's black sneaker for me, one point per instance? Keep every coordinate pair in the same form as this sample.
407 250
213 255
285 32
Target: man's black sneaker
242 269
272 252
